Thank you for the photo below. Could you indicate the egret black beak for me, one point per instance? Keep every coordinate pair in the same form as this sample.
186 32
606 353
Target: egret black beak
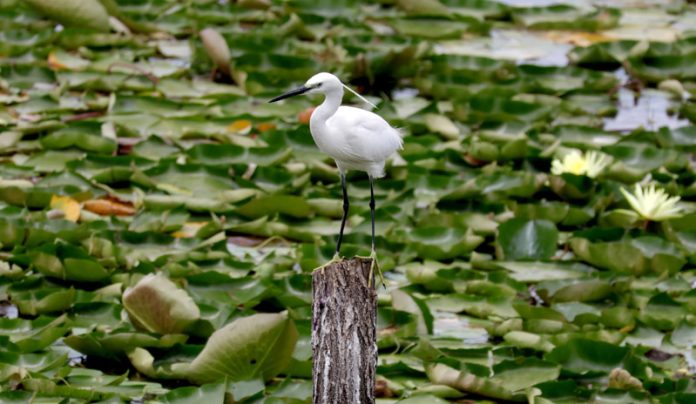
291 93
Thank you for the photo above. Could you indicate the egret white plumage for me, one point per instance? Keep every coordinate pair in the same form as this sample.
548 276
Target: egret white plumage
355 138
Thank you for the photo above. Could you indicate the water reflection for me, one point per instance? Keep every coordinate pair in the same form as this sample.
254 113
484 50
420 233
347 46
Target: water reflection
650 112
520 46
8 310
457 326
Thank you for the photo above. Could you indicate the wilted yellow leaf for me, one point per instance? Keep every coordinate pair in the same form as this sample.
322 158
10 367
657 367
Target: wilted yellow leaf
242 126
265 126
54 63
189 229
578 38
106 207
67 205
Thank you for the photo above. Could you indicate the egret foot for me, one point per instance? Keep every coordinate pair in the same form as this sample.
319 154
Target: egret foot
373 265
336 258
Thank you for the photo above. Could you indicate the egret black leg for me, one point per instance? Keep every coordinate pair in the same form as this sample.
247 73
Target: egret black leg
346 204
372 211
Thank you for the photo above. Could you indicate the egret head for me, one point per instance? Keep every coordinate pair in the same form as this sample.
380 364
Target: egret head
325 83
320 82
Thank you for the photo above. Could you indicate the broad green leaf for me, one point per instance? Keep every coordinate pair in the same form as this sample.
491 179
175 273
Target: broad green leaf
527 240
541 271
211 393
585 356
517 376
684 335
272 204
42 301
618 256
256 346
116 344
68 263
662 312
442 243
405 302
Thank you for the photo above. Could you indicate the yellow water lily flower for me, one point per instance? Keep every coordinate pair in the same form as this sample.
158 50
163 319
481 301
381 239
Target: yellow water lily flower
590 164
653 203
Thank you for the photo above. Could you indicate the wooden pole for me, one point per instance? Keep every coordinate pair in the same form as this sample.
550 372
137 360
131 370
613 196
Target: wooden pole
344 336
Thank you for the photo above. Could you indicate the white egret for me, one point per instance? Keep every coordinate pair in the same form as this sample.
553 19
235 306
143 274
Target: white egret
355 138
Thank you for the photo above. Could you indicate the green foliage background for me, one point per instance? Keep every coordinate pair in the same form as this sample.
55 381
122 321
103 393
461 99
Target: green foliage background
124 154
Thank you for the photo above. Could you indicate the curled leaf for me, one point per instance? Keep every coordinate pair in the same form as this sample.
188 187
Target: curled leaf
156 304
107 207
466 381
78 13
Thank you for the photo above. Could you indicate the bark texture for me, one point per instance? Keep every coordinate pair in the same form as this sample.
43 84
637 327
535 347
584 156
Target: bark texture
344 336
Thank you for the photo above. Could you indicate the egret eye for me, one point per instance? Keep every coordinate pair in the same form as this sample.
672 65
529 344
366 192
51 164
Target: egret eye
318 85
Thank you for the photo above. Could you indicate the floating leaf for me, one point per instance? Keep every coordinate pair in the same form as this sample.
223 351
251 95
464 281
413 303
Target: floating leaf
256 346
522 239
108 207
585 356
242 126
441 242
68 206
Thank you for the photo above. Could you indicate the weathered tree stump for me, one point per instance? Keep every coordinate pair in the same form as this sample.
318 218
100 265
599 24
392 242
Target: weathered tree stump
344 336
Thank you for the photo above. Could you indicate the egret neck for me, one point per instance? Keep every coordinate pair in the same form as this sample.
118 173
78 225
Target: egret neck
317 122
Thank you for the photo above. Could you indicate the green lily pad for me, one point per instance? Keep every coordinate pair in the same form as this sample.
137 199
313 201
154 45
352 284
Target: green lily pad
584 356
255 346
441 243
530 240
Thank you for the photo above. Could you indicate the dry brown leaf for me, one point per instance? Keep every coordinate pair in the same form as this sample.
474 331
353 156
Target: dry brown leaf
54 63
107 207
265 126
303 117
473 160
244 241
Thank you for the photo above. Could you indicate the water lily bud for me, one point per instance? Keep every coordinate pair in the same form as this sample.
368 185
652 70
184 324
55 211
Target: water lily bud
674 87
216 47
484 151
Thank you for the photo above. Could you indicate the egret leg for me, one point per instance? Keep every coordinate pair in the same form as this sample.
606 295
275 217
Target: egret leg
346 205
373 252
372 212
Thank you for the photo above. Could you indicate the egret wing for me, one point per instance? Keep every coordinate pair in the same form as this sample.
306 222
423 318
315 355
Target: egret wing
367 136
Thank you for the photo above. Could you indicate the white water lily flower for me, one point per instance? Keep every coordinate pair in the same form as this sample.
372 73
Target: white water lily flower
652 203
590 164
